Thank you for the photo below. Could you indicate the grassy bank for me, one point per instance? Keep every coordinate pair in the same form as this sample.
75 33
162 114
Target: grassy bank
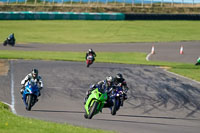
188 70
10 123
65 32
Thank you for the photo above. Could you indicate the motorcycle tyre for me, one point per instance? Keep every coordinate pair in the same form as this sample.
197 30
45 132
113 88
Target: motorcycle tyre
29 102
114 107
197 63
13 44
4 43
85 115
92 110
119 104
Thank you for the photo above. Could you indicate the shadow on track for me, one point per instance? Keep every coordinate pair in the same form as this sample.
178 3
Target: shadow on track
60 111
165 94
154 117
137 122
20 46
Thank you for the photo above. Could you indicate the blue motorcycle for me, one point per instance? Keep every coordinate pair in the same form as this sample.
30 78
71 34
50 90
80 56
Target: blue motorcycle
30 95
116 97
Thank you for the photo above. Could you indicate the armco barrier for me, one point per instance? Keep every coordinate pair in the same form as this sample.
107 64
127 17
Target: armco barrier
60 16
162 16
28 15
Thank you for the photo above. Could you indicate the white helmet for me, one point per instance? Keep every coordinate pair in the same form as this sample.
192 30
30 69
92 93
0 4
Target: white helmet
90 50
109 79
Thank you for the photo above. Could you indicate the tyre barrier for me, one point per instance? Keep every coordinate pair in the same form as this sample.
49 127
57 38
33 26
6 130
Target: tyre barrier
162 16
29 15
60 16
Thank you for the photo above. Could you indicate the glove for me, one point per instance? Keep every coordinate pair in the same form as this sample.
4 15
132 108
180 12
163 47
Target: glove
92 86
40 88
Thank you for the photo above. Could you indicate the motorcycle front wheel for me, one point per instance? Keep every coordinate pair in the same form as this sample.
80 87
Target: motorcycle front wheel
115 106
92 110
4 43
29 102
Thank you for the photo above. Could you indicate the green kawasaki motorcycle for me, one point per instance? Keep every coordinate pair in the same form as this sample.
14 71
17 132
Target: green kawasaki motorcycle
95 102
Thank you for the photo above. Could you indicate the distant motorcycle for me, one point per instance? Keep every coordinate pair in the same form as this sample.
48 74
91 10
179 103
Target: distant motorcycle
95 102
89 60
116 96
30 95
198 62
9 41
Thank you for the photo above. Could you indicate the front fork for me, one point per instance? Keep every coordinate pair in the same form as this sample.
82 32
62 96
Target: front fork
24 100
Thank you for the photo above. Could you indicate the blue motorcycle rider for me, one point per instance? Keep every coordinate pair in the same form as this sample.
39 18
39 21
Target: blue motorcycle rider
33 76
11 37
103 84
90 51
120 81
10 40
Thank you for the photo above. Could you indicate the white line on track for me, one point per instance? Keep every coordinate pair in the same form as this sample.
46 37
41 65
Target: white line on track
147 57
181 76
12 88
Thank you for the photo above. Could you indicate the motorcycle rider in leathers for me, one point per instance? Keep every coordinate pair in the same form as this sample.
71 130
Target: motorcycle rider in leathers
103 84
120 81
90 51
11 38
33 76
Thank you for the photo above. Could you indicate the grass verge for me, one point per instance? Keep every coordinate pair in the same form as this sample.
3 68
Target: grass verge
10 123
72 31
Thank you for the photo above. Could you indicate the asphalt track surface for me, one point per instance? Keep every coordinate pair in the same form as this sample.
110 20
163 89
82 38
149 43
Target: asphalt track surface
159 102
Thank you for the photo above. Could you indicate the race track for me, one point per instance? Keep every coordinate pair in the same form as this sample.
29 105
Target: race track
165 51
159 102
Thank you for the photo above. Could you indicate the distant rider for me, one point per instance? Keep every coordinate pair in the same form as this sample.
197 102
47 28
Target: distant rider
120 81
11 38
198 61
103 84
90 52
33 76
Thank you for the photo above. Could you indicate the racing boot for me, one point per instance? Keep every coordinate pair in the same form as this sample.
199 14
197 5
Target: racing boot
85 99
87 95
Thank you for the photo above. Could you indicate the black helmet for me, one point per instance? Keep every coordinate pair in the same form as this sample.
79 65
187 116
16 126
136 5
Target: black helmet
34 73
119 77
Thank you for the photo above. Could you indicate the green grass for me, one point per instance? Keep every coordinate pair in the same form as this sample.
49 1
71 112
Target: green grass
120 57
192 72
64 32
10 123
188 70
